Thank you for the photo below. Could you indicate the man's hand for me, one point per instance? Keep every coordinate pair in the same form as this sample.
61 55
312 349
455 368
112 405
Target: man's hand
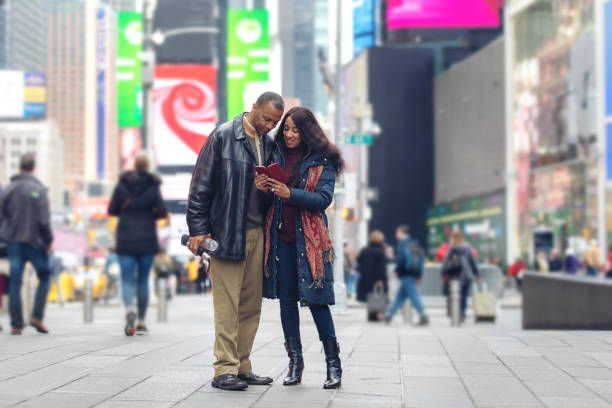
261 183
379 283
196 242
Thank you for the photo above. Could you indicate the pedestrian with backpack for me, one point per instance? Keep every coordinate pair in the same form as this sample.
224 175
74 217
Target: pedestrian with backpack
409 259
460 264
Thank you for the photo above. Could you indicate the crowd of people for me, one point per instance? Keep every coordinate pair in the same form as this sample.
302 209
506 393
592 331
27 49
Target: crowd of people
591 263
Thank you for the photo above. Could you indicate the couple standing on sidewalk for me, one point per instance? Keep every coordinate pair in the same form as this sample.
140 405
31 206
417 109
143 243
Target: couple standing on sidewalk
273 237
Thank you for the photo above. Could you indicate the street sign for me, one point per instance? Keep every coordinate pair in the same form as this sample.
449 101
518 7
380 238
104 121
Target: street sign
359 139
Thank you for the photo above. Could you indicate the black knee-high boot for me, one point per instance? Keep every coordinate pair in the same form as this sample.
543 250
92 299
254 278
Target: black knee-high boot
334 368
296 361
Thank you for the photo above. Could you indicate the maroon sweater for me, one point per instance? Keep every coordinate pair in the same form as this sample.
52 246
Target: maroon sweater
289 212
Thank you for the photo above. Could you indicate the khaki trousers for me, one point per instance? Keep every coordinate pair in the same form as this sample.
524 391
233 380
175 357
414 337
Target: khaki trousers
237 291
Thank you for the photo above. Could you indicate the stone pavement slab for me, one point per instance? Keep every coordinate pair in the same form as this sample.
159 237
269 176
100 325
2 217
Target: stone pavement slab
396 366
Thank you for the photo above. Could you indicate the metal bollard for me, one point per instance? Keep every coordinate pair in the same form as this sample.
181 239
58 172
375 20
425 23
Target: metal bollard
162 304
407 312
88 300
454 302
29 287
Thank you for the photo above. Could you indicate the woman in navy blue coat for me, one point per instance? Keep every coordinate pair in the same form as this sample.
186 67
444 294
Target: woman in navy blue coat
299 254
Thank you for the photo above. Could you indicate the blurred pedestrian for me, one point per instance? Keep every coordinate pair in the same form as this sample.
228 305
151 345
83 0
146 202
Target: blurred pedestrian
350 275
541 263
592 258
4 282
112 270
517 270
26 227
225 206
299 255
138 203
609 268
442 251
409 261
372 265
555 264
460 264
192 273
55 269
202 275
162 268
572 263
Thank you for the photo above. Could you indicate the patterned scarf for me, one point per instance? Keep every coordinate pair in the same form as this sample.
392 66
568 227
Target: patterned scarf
319 247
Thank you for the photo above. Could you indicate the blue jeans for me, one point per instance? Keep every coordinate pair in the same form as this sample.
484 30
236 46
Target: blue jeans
407 290
351 282
18 254
289 296
128 265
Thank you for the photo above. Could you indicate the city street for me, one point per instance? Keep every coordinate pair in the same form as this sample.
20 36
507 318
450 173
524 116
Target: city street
482 365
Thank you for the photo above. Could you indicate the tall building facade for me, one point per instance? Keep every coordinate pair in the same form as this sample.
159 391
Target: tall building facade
22 35
122 5
81 37
43 139
304 40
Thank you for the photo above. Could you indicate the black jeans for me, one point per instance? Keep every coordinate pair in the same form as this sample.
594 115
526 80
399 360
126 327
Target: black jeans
288 295
18 254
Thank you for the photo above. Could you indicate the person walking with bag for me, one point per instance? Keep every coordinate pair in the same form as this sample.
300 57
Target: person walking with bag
299 254
26 229
138 203
225 205
372 266
409 258
460 264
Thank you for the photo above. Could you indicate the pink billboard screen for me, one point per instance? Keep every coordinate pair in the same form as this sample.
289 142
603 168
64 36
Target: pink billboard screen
442 13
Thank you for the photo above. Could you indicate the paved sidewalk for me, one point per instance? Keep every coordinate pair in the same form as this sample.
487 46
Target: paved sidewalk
484 365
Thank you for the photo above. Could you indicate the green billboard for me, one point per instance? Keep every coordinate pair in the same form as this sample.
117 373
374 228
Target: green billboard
248 55
129 65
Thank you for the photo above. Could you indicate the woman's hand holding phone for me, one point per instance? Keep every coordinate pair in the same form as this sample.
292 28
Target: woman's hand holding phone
279 189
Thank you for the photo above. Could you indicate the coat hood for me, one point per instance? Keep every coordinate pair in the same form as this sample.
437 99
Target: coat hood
134 179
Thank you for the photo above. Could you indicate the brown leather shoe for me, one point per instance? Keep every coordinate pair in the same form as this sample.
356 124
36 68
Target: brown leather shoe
16 331
39 326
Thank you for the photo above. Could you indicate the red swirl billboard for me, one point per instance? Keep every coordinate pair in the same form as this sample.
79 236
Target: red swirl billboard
185 107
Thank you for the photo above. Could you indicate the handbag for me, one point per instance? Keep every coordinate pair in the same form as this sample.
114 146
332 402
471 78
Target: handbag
377 300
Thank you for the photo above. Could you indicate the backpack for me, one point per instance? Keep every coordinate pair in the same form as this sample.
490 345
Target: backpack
452 266
414 256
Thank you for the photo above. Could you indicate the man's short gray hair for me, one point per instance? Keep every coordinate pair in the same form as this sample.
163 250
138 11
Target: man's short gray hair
271 97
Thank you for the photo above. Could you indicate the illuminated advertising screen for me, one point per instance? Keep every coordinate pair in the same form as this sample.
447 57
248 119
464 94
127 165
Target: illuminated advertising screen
184 106
442 13
129 65
248 55
23 94
364 24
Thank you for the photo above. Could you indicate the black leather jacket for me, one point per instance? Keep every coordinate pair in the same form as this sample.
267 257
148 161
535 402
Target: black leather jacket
220 186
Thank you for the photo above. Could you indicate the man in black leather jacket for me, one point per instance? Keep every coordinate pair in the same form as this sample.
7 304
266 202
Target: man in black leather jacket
226 203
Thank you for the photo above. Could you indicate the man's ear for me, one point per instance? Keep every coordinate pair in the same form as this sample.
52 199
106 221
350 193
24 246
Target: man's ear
254 108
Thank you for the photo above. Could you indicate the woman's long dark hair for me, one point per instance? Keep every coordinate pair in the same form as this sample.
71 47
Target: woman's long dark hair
312 138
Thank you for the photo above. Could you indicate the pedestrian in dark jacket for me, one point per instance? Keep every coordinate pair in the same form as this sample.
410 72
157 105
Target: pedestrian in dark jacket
409 260
26 227
138 203
372 266
299 254
225 205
